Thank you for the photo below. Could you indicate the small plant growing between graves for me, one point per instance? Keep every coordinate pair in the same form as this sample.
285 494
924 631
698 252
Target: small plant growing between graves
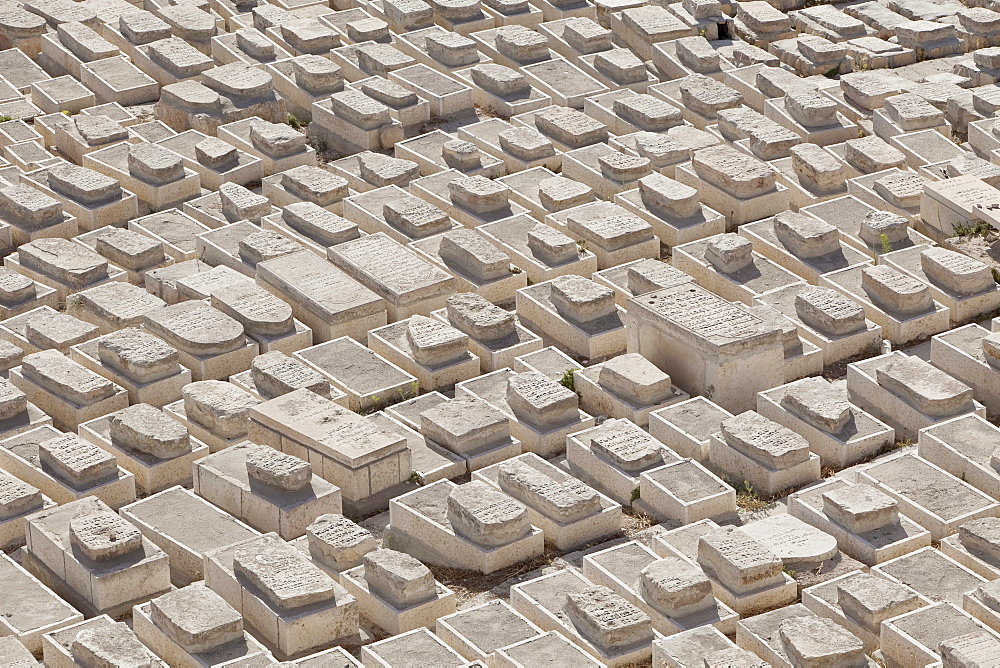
5 117
567 380
789 571
891 447
748 499
635 495
416 479
980 229
996 274
709 392
886 244
296 123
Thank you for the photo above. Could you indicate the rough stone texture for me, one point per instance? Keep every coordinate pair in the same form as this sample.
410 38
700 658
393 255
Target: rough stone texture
729 253
276 469
196 618
765 441
820 403
275 373
870 600
674 586
635 379
541 401
815 641
338 542
928 389
607 620
486 516
140 356
147 429
398 578
112 645
282 574
828 311
860 508
103 535
218 406
981 536
567 501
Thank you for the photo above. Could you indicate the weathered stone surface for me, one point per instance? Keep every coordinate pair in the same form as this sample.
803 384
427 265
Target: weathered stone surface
103 535
972 650
220 407
737 560
675 587
338 542
58 374
662 194
581 300
820 403
817 167
196 328
627 447
729 252
486 516
635 379
399 579
128 249
68 262
110 646
558 193
607 620
566 501
30 207
147 429
276 469
257 310
381 170
870 600
154 163
17 497
480 319
551 246
416 217
465 426
739 174
806 236
860 508
77 462
981 536
829 312
541 401
925 387
765 441
816 641
876 223
707 96
433 343
280 573
956 272
196 618
275 373
499 80
896 292
140 356
479 194
316 223
13 401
